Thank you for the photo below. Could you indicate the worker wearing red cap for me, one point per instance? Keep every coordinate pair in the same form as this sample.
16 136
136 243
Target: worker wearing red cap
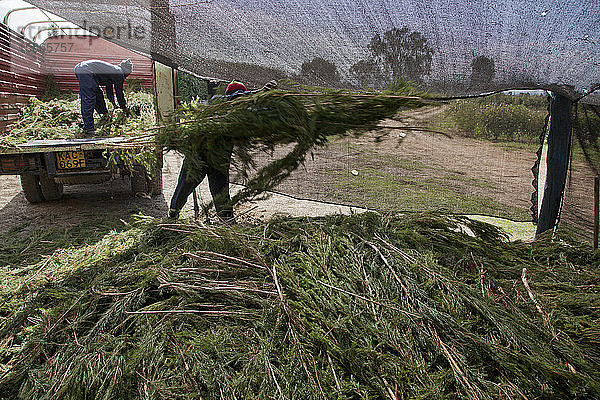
217 171
235 87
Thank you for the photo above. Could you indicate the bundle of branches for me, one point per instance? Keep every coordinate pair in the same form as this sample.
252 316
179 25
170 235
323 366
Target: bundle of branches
336 307
60 119
204 133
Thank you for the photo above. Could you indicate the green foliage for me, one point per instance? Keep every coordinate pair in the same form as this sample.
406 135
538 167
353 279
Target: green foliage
268 119
141 105
191 87
319 71
483 71
398 54
134 85
399 85
500 117
23 246
337 307
52 90
51 119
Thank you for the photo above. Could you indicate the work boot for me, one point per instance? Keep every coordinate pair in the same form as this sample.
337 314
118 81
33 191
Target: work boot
173 214
89 133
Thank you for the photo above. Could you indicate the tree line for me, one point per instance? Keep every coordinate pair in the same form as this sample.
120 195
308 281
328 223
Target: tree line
398 54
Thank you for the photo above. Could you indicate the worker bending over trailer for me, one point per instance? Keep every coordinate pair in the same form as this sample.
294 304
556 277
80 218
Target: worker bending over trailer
92 74
217 169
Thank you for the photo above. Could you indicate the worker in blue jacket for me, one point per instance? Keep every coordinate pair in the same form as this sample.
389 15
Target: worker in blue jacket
217 169
92 74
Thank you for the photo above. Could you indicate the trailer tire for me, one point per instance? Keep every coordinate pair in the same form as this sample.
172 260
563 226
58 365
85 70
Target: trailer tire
138 180
50 189
31 188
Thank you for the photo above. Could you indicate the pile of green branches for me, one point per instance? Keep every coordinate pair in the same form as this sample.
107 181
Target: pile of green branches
261 122
337 307
60 119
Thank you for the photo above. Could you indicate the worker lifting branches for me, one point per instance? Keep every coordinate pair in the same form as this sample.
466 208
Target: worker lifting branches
92 74
216 168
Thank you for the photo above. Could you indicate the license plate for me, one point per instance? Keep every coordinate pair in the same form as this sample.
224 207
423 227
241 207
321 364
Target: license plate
70 159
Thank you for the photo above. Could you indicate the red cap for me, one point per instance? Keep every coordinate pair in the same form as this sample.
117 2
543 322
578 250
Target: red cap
234 87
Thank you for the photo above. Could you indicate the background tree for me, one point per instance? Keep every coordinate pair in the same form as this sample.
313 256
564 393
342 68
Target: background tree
368 73
319 71
397 55
483 71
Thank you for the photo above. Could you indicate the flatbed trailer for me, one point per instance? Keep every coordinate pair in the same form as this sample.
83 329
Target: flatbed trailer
45 166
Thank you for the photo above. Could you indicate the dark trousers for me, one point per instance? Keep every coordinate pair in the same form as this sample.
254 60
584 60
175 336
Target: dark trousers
218 182
92 98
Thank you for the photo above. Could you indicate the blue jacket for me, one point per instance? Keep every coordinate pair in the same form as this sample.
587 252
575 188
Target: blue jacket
105 74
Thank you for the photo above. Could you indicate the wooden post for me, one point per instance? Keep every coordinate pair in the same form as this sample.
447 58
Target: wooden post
596 210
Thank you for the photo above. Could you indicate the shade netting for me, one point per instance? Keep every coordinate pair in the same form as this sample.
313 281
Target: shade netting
448 46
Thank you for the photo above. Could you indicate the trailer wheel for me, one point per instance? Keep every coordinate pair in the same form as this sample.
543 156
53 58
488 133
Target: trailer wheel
31 188
138 180
50 189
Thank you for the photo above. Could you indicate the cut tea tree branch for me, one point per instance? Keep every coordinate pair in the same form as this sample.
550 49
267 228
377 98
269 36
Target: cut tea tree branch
223 257
530 292
369 300
274 118
202 312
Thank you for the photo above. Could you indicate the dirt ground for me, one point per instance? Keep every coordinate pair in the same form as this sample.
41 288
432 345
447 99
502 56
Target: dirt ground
459 165
80 203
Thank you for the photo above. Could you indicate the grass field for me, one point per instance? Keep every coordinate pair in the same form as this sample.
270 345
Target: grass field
389 192
397 183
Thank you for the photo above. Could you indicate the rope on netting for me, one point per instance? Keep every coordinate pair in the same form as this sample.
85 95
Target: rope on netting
593 90
476 96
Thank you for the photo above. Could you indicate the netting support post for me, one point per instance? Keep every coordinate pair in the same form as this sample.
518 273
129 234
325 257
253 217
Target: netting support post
596 210
559 139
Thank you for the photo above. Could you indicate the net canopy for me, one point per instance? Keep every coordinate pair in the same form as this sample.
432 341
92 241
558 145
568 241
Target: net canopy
448 46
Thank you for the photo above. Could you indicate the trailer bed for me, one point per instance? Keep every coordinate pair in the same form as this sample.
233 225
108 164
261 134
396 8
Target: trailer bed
40 146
